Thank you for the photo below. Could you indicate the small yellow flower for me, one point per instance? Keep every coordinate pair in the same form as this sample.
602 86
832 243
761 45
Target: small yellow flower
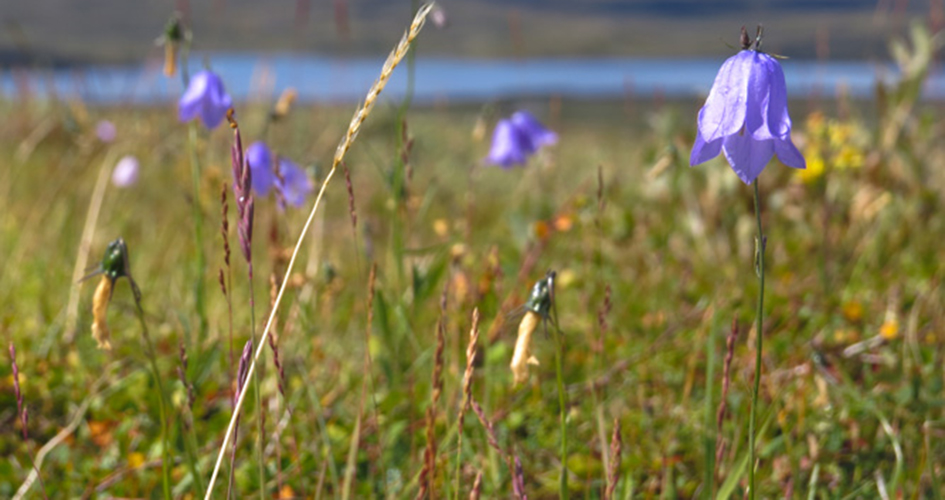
890 328
852 311
135 459
848 156
838 133
815 166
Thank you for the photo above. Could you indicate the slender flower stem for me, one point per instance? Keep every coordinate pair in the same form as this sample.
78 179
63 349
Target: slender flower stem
258 390
563 412
165 445
760 271
201 262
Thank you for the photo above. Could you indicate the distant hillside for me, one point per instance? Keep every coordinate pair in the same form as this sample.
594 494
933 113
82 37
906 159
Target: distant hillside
64 31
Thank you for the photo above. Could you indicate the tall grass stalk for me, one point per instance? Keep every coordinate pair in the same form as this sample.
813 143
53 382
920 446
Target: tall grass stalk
759 336
466 397
85 244
353 128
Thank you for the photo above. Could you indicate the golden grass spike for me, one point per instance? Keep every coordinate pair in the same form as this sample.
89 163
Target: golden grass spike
359 116
103 295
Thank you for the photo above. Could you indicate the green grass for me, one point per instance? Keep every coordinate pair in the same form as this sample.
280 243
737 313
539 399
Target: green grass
848 253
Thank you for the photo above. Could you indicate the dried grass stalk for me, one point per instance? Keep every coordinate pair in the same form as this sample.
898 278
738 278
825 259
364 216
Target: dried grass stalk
613 473
359 116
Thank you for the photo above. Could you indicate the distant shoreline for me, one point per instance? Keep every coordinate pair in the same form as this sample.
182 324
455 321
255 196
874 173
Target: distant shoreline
260 76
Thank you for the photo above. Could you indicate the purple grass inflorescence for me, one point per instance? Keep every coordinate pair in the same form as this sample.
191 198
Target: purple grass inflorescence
517 138
746 116
205 97
242 182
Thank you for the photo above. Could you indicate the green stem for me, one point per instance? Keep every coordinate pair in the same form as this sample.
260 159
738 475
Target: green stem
191 450
165 445
259 408
563 413
708 487
201 258
759 335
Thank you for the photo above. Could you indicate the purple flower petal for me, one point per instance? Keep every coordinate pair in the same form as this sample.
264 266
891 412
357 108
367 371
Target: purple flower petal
724 111
126 172
703 151
294 185
779 122
747 156
509 145
205 97
537 134
757 97
788 154
260 163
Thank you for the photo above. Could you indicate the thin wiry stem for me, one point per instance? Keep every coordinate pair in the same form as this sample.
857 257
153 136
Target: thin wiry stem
759 335
563 413
201 263
85 244
353 128
165 444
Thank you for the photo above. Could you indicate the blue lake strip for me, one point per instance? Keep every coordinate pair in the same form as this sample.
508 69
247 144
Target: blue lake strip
327 80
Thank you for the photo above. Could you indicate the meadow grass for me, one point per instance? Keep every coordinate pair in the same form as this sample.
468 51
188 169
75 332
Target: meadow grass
653 261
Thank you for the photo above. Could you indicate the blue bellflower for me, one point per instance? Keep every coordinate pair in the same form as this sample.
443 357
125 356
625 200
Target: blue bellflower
260 163
205 97
293 183
746 117
517 138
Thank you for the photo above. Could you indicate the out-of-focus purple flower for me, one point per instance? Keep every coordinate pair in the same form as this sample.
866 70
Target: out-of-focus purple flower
517 138
293 183
126 172
746 117
260 162
105 131
536 132
205 97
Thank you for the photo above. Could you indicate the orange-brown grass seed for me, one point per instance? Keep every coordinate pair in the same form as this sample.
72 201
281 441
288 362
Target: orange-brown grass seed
170 58
103 295
521 358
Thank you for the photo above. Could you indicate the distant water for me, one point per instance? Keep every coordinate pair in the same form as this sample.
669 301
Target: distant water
322 79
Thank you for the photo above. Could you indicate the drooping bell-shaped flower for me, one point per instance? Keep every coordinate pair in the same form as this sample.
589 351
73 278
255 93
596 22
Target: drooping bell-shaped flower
534 130
510 146
517 138
205 97
260 162
746 117
293 183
